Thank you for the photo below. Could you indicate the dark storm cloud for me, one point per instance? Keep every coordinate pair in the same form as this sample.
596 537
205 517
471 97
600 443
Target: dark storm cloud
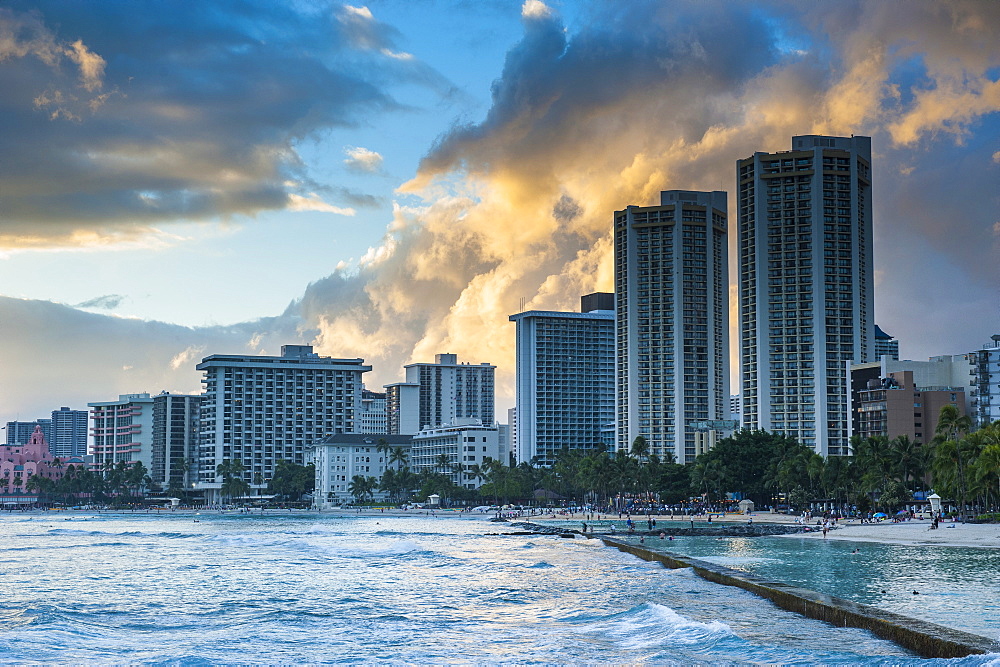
682 53
128 113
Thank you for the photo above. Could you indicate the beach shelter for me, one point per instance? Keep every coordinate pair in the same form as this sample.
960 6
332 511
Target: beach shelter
746 506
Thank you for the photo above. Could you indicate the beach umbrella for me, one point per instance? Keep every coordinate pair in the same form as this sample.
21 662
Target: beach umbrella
880 515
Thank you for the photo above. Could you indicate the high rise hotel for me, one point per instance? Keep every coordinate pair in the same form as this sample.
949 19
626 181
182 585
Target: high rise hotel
806 306
672 320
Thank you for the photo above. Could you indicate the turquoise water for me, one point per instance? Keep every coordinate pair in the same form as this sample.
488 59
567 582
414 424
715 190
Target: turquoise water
955 587
315 589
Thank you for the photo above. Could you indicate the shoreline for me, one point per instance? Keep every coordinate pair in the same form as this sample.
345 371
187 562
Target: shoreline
915 532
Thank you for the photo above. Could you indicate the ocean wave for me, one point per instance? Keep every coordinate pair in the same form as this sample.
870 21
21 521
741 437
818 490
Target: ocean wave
655 626
540 565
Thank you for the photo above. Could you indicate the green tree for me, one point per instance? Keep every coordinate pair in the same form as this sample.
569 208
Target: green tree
44 486
398 457
952 453
292 480
233 484
361 487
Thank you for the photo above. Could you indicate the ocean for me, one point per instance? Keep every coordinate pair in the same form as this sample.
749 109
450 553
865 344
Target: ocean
210 589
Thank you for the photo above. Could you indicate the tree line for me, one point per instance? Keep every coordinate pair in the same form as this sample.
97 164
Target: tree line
961 464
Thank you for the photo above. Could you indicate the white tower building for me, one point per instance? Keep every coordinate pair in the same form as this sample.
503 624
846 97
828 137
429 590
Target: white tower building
123 430
565 380
439 393
258 410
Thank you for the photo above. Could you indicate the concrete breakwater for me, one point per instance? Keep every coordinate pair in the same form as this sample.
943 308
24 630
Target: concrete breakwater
674 529
927 639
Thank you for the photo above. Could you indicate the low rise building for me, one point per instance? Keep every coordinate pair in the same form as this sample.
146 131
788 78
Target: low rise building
340 457
895 404
456 450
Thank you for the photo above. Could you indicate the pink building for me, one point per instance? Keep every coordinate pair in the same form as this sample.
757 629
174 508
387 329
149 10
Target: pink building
19 462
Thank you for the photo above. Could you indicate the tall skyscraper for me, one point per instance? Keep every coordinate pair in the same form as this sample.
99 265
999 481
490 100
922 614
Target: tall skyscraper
444 391
69 432
672 326
175 440
806 285
565 379
257 410
18 432
123 430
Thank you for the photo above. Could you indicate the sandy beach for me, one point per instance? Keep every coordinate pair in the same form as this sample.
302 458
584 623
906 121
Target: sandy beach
915 533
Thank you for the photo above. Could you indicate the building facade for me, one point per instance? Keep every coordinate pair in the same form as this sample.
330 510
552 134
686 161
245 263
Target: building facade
18 432
672 320
806 286
565 379
446 390
175 440
342 456
456 450
373 416
18 462
122 431
885 345
402 407
69 432
984 384
894 405
258 410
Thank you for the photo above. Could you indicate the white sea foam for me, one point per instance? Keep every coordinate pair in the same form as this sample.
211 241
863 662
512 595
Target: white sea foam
653 625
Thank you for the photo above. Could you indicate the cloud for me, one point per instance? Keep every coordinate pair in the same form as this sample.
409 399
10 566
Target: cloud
106 302
362 159
312 202
114 355
187 357
519 205
115 119
641 97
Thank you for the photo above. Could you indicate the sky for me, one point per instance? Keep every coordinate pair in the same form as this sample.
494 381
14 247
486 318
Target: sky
392 180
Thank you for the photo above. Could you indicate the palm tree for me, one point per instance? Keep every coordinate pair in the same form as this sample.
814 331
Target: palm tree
399 457
361 487
951 451
233 484
904 454
442 462
640 448
383 448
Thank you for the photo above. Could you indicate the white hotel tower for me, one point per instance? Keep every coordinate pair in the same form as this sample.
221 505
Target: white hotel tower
258 410
672 308
565 379
805 226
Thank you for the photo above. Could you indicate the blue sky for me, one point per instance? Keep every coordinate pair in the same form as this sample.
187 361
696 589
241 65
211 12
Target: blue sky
390 180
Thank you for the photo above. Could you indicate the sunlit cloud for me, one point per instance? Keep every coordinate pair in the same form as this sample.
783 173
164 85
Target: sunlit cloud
312 202
362 159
